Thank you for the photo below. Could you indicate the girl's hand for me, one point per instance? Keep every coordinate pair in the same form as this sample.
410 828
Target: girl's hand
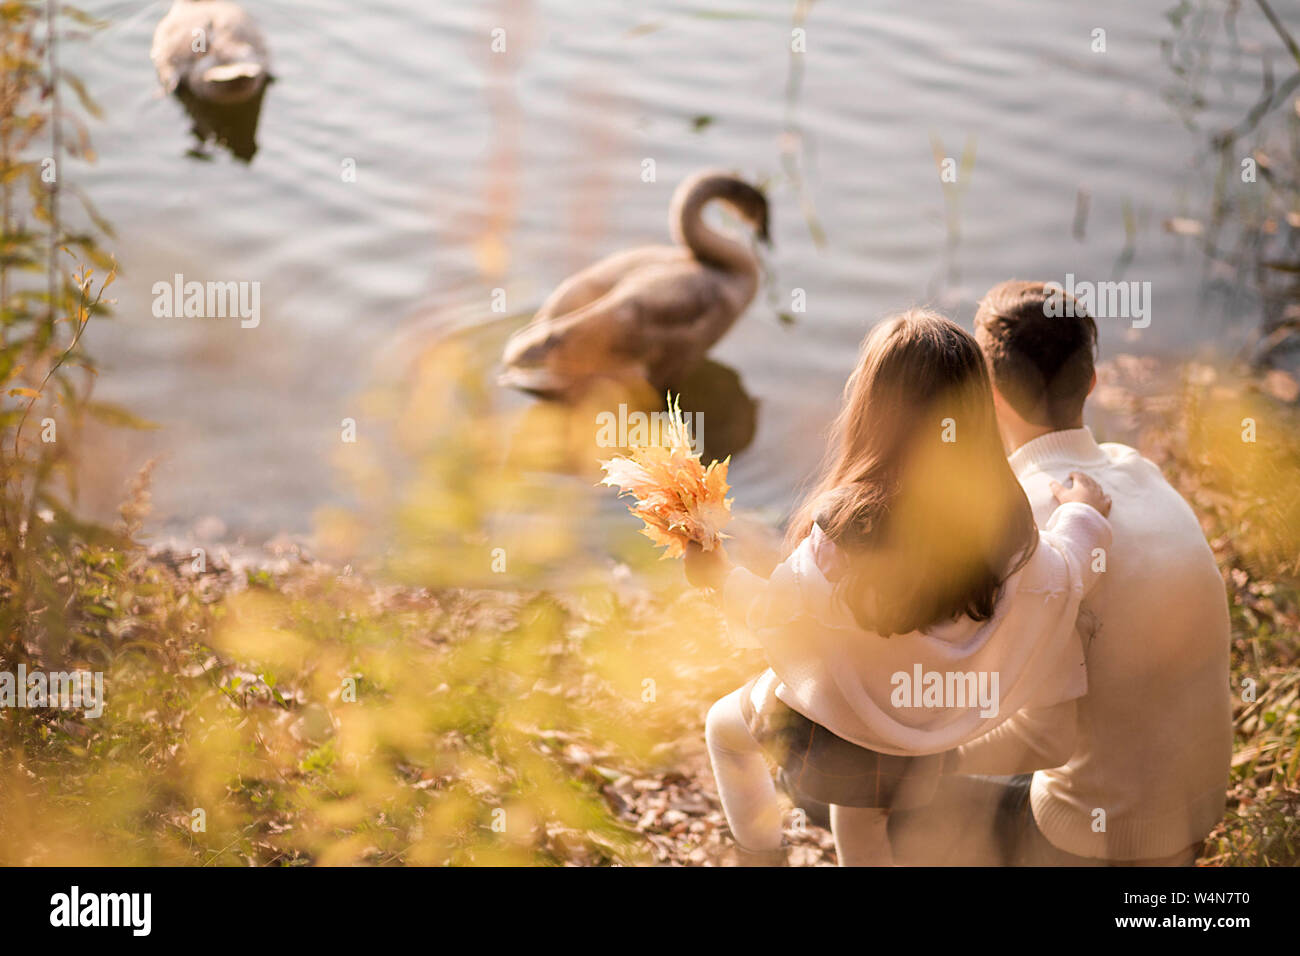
706 569
1082 489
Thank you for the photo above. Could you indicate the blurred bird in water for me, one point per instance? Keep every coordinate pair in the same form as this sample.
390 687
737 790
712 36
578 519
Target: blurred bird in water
212 50
648 314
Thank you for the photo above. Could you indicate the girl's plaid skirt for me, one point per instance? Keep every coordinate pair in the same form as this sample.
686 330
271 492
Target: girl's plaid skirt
830 769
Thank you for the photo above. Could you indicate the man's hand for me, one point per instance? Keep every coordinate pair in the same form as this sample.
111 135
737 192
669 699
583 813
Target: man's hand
1084 489
706 569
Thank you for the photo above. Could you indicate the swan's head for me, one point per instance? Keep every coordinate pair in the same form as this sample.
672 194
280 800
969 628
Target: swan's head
747 201
750 204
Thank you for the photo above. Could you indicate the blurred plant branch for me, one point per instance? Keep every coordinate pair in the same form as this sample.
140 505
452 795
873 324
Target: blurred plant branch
43 369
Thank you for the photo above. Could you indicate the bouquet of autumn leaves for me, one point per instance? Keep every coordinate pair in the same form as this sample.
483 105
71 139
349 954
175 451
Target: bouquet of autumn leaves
679 499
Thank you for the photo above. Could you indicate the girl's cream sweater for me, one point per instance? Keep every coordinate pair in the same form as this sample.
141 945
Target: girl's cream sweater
865 688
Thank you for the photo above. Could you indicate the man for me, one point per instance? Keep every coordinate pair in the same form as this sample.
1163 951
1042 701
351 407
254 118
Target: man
1135 772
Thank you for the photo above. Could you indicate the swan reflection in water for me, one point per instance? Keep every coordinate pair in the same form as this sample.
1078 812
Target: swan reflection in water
729 414
229 125
573 437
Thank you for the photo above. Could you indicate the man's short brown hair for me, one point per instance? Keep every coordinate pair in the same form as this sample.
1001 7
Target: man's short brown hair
1040 353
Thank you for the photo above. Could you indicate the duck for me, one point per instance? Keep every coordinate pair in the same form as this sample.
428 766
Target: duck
646 315
232 65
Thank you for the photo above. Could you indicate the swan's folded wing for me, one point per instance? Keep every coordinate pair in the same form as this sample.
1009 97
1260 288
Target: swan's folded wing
656 320
596 281
677 295
670 316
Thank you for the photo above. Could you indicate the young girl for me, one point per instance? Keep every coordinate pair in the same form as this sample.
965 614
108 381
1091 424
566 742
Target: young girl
918 606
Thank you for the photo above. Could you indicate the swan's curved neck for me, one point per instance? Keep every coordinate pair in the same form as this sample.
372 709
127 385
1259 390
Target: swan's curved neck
688 228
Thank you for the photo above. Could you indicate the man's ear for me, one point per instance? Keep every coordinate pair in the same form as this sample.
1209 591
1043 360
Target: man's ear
1093 383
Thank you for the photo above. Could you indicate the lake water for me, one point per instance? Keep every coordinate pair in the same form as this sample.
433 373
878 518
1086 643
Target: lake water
477 170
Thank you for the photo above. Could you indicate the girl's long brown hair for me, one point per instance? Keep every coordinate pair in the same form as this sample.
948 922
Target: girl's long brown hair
916 490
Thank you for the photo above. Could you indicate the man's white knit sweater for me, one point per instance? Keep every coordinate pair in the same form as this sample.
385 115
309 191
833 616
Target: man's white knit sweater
1152 740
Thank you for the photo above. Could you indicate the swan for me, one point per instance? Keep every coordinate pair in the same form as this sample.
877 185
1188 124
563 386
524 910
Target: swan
647 314
213 49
